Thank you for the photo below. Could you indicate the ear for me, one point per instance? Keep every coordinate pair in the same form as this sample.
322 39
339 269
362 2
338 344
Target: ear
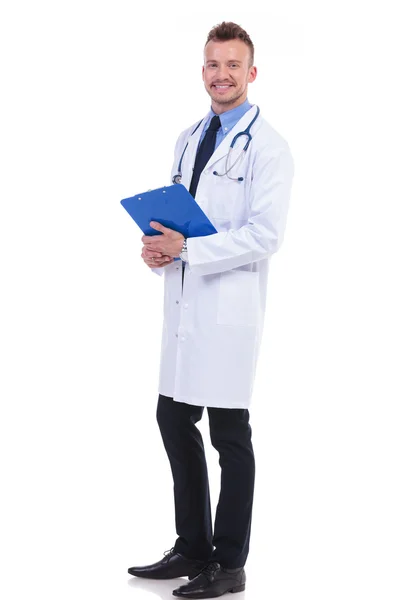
252 74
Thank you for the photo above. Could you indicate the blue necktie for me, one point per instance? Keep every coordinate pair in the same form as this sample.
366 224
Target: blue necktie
206 149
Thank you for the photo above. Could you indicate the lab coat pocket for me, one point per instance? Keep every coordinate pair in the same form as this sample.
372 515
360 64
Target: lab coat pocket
238 298
228 199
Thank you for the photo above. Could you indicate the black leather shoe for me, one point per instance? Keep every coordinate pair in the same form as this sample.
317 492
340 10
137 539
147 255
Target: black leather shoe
213 581
172 565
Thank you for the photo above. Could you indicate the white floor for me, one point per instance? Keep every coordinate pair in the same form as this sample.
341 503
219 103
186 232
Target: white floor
163 590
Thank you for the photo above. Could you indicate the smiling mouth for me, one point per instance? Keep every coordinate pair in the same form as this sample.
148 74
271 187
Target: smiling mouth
221 88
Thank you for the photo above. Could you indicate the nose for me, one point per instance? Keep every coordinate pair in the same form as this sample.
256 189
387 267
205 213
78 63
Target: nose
223 73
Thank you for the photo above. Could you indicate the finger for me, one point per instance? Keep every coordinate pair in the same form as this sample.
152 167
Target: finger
159 227
157 261
155 250
161 263
164 259
166 262
151 245
147 238
151 253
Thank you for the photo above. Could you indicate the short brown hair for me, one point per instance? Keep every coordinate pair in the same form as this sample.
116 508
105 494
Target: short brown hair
231 31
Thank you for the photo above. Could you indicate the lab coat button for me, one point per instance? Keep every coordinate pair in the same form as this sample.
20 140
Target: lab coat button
177 301
183 339
185 305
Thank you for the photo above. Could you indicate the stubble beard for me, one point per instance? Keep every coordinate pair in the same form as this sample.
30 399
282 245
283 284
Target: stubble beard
221 101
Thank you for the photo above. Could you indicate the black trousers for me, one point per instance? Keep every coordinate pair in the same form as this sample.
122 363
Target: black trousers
230 434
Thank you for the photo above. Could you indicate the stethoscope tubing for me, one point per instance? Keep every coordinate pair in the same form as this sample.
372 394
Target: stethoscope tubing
177 178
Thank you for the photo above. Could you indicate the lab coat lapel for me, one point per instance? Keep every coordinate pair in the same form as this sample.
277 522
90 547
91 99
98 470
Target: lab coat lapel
191 155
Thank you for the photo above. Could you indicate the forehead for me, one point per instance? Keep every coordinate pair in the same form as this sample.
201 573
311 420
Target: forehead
226 50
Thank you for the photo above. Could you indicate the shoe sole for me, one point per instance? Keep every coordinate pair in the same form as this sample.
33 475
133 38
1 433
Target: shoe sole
190 576
236 589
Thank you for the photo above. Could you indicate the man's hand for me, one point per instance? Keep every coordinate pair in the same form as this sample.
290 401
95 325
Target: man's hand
155 259
167 244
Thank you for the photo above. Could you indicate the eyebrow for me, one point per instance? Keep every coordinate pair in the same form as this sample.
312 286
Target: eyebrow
231 60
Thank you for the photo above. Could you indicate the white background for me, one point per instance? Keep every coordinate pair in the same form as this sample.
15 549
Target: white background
94 96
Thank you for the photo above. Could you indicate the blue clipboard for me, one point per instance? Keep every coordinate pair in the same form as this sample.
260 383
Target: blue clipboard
172 206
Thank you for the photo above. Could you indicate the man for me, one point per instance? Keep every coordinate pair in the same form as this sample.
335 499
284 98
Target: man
214 306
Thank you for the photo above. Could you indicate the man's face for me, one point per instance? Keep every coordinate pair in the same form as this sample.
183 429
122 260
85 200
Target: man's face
226 73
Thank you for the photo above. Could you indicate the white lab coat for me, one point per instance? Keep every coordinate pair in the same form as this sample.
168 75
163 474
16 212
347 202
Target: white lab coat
212 329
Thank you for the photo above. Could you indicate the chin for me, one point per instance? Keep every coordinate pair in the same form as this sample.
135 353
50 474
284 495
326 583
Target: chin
230 100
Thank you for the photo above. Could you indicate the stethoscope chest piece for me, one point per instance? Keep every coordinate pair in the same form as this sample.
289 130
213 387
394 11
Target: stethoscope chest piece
238 179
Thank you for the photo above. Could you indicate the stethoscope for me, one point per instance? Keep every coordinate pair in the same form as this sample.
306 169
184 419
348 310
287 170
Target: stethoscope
178 177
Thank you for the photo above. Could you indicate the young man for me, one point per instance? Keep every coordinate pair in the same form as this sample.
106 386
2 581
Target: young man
214 307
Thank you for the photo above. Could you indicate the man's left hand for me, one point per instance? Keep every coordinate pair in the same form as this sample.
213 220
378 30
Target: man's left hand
169 243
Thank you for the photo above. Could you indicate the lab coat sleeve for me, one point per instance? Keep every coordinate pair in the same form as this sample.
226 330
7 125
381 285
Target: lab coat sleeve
263 234
177 152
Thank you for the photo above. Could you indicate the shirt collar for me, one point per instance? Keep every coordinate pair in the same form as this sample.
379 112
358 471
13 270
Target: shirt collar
230 117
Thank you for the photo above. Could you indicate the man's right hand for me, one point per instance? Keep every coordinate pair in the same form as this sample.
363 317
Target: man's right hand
160 260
